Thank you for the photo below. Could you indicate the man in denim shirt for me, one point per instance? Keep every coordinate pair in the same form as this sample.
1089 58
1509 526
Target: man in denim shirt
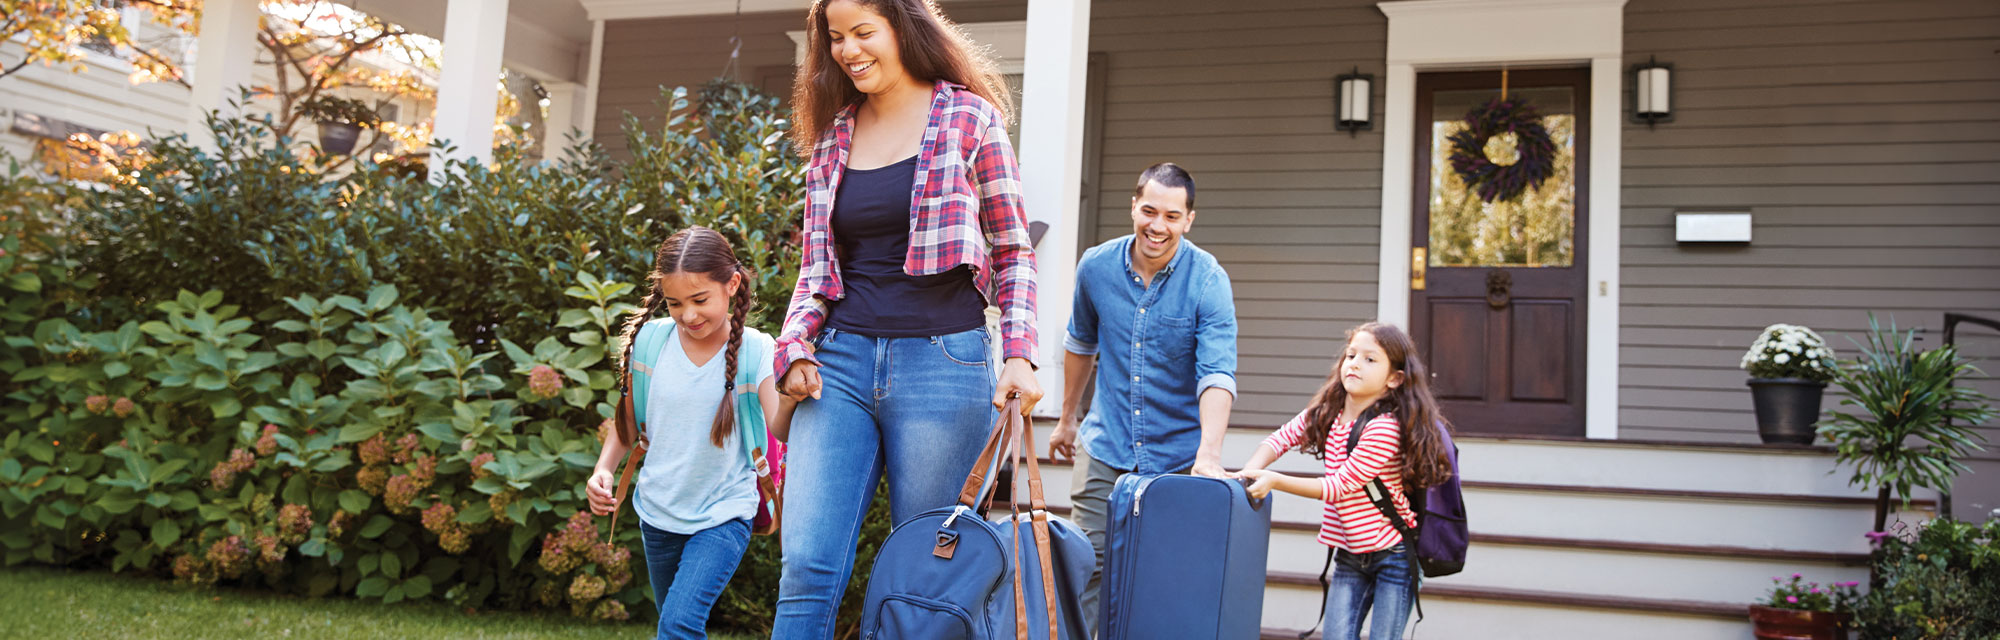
1157 314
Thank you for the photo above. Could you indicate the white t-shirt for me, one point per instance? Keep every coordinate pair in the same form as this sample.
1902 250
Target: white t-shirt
687 484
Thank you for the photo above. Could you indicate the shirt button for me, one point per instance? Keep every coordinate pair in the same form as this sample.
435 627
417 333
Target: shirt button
1135 378
1135 412
1142 309
1135 345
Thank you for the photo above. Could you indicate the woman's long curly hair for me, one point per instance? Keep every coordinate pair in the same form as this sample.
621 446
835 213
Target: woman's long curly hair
932 48
1425 462
696 250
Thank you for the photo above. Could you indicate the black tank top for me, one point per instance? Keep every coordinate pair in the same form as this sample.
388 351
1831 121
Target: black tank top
871 230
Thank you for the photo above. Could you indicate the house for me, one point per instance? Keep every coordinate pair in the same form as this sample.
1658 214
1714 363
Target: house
1619 489
1615 479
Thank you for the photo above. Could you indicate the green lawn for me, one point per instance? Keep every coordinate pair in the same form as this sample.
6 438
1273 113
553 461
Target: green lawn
46 604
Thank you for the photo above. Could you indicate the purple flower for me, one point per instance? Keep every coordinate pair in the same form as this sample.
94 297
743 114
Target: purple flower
1792 599
1796 576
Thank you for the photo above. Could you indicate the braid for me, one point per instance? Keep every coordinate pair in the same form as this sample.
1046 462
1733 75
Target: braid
739 309
648 307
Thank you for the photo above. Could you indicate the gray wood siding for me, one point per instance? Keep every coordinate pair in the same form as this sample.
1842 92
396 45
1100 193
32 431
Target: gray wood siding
642 56
1242 96
1864 137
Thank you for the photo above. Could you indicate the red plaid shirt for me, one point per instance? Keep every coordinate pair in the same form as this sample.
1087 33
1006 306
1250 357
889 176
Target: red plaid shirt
966 210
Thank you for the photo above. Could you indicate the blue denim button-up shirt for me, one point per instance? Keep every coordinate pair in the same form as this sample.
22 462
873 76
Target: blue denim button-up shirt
1158 348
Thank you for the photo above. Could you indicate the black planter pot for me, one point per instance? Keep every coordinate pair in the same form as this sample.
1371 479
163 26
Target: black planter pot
1787 408
338 138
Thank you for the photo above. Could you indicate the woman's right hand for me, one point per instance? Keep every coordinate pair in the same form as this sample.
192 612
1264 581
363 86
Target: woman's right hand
598 491
801 380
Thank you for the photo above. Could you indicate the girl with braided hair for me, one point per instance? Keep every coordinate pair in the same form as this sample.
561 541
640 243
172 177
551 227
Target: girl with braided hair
696 492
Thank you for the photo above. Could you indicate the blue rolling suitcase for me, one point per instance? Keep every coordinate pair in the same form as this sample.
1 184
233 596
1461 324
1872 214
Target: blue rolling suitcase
1184 558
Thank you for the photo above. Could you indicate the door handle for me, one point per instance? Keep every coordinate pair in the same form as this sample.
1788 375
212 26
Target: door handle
1419 259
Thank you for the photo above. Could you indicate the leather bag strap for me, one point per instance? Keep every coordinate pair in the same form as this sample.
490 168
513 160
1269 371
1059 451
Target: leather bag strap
623 421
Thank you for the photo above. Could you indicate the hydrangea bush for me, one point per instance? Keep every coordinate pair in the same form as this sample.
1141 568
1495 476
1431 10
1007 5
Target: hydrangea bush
1790 351
369 385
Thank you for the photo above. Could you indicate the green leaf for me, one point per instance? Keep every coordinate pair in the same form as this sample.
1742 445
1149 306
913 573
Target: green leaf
394 595
381 297
313 548
376 526
116 369
440 431
166 531
476 513
372 587
392 565
225 406
118 501
359 432
25 281
417 586
355 501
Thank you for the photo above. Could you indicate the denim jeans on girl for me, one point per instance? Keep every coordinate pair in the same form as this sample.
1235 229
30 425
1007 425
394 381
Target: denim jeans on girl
689 572
1373 586
917 409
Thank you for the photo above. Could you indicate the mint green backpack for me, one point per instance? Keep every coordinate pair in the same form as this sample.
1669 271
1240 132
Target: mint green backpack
764 450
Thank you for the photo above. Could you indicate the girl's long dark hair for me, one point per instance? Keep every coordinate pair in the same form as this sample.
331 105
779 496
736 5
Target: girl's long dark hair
1425 462
932 48
696 250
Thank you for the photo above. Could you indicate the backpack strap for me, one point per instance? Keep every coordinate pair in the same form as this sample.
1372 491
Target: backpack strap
751 429
630 415
1378 492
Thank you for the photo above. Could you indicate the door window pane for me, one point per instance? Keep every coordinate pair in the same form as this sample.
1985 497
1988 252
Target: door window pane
1537 229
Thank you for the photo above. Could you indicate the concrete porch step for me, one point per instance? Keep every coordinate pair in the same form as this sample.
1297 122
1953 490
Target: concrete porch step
1292 601
1790 470
1652 516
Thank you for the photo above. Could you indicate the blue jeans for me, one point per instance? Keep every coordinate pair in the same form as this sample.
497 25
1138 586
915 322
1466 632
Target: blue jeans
918 409
689 572
1379 582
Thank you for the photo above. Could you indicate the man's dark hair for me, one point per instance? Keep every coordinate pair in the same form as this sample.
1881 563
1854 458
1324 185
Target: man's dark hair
1169 175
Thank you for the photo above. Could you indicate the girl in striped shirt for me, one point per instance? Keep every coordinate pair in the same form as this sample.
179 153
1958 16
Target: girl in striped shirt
1378 385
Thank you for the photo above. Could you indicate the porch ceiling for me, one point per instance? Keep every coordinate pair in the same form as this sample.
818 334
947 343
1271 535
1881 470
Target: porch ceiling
546 39
630 9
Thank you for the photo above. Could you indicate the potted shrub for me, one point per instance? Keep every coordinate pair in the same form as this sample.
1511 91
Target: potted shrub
340 121
1789 366
1914 423
1799 610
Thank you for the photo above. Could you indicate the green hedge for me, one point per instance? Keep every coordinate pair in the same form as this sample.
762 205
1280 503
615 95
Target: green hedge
232 370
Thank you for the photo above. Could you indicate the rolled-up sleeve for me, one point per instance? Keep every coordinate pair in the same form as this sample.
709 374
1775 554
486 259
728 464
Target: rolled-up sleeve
1081 339
1215 336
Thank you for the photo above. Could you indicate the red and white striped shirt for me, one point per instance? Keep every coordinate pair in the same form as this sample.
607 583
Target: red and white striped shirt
1348 520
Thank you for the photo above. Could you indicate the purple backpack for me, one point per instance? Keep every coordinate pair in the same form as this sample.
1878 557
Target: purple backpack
1441 535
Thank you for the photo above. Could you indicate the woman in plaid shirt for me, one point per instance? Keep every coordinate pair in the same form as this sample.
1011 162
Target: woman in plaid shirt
913 226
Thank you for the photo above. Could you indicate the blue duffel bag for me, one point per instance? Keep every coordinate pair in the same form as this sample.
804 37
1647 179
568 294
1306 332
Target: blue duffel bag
949 573
1184 557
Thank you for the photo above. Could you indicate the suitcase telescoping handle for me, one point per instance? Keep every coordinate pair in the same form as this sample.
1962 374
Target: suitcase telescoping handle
1255 504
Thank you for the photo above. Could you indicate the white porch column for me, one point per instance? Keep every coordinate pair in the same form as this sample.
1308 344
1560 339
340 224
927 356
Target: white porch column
1051 158
594 71
475 33
225 55
565 115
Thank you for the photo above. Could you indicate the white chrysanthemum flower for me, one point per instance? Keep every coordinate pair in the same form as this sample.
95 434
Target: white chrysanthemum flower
1782 358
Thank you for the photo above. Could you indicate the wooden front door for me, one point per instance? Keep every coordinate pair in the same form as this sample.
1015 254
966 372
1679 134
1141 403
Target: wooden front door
1497 288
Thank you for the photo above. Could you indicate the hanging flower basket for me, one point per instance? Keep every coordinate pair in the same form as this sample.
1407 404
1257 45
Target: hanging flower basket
338 138
1503 151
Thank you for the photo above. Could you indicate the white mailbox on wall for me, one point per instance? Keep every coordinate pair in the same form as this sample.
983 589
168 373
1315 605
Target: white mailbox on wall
1711 227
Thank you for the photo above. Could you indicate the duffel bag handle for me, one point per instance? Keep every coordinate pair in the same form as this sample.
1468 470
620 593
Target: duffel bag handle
978 487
